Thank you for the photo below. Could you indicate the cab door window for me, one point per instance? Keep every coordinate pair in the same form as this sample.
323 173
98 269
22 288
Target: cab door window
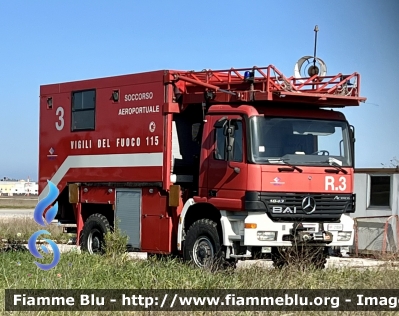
222 141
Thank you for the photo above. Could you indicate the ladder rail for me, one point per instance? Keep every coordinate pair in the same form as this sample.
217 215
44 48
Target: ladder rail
270 80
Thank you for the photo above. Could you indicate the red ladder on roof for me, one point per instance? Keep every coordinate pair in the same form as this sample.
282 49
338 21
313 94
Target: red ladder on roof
269 84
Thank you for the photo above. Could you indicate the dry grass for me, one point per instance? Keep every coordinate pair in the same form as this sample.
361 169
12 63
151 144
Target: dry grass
82 271
115 271
25 202
18 230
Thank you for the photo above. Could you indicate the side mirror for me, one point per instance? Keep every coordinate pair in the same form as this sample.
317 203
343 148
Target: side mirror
221 123
195 128
352 132
353 140
229 131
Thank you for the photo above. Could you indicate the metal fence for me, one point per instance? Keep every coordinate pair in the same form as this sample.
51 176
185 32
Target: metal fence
376 234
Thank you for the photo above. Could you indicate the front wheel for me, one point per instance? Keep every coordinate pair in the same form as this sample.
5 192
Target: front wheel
202 245
93 233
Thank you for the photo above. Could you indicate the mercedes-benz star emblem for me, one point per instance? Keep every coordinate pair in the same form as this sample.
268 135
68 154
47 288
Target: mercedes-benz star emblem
308 205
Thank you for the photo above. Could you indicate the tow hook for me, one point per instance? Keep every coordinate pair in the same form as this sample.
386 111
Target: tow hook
328 237
301 234
307 236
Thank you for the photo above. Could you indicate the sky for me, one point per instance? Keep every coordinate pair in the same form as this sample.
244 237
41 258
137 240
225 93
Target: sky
46 42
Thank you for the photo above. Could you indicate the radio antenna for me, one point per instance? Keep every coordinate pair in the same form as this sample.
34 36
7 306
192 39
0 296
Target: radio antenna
316 29
305 67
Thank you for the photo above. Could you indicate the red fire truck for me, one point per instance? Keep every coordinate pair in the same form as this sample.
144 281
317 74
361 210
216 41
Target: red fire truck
211 165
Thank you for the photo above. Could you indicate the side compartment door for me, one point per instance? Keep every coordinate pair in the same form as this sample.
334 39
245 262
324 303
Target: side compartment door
227 170
128 215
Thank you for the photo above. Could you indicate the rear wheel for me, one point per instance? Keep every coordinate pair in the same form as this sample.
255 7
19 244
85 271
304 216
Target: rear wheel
93 233
202 246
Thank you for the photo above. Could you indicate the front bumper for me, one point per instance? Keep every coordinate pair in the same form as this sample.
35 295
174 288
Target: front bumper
261 231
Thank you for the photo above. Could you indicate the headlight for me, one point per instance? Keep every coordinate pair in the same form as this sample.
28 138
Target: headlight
344 236
263 236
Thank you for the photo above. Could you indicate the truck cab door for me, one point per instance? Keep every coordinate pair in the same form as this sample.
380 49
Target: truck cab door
227 170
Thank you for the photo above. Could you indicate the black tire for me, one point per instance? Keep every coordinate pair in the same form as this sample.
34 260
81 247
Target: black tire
202 246
93 233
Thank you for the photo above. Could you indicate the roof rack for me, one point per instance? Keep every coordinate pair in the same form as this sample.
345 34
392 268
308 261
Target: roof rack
268 84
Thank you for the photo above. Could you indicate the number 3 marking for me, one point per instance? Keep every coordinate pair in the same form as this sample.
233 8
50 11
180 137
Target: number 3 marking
60 113
342 187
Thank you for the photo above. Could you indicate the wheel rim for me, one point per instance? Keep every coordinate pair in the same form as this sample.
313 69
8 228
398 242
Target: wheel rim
203 251
94 241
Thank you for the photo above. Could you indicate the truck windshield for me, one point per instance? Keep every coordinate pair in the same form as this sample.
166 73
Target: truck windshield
300 141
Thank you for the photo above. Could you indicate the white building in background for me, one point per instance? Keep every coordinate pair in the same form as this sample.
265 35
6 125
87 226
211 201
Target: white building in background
18 188
31 188
377 209
377 192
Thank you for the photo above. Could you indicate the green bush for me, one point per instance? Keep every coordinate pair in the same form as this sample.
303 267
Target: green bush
115 244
